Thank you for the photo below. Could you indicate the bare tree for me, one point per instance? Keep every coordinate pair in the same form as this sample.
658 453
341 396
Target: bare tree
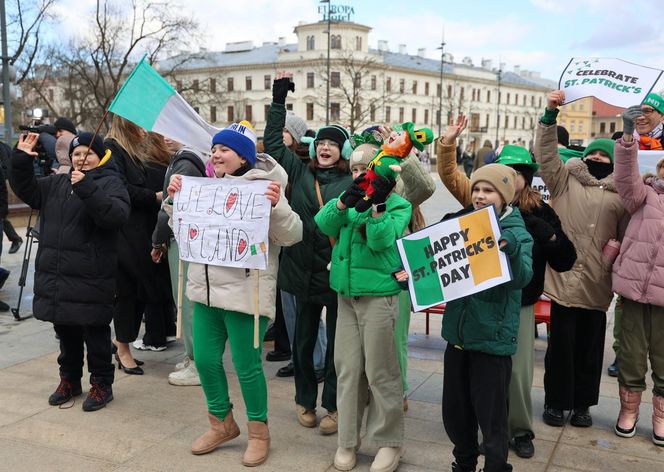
90 70
354 84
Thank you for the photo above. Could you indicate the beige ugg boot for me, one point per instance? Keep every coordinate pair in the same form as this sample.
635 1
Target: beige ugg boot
629 412
258 445
219 433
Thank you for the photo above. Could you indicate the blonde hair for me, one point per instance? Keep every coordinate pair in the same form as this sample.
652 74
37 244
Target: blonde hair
660 164
130 136
156 150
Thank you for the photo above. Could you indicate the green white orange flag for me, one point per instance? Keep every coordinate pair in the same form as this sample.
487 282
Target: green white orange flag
149 101
454 258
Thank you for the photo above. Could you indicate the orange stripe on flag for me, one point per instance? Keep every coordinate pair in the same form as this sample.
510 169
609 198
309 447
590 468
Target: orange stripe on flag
486 264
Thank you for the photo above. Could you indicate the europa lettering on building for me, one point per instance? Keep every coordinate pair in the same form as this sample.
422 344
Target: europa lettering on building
336 12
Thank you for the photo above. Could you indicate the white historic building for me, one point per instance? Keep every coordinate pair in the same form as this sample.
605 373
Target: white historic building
367 86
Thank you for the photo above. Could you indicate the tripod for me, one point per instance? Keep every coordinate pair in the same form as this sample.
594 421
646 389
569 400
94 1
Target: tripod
32 236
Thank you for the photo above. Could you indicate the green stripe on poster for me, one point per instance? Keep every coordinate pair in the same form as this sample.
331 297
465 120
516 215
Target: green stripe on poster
426 282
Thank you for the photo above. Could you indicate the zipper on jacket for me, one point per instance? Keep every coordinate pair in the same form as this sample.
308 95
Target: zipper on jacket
207 284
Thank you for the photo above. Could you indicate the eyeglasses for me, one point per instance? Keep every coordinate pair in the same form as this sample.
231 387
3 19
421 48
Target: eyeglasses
327 142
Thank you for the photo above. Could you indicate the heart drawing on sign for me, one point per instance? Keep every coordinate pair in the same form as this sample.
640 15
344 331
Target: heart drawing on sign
241 246
230 200
193 232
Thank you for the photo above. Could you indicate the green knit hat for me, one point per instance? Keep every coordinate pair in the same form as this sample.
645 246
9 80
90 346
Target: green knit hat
516 155
603 144
655 101
419 137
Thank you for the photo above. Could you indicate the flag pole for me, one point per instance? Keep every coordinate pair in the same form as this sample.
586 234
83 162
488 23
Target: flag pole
256 309
87 153
178 323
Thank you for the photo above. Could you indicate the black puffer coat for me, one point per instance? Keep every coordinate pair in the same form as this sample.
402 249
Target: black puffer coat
76 262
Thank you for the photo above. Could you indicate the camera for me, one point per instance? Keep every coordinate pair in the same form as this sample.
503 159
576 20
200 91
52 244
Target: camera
45 147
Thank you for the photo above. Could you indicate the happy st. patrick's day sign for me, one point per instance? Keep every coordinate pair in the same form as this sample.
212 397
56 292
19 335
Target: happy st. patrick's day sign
454 258
222 222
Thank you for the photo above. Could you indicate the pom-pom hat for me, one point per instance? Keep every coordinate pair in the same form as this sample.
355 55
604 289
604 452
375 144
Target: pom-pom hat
241 138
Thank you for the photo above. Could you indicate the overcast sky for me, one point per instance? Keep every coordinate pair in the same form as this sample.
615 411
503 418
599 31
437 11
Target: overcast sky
538 35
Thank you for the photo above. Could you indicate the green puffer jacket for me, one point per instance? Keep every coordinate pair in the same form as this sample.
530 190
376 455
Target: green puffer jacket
303 267
363 266
488 321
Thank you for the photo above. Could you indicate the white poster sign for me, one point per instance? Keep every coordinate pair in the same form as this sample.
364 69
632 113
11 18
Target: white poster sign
222 222
539 185
613 81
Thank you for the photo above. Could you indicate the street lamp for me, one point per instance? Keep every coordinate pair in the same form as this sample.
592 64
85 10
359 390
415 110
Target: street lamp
329 36
440 98
500 71
6 97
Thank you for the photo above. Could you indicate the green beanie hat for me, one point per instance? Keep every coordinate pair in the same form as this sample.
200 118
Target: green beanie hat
516 155
603 144
655 101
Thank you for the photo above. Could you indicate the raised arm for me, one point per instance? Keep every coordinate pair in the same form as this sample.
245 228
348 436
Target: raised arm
22 175
273 138
626 175
454 180
552 169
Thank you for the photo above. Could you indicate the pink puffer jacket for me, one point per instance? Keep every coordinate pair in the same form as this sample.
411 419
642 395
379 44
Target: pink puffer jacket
638 272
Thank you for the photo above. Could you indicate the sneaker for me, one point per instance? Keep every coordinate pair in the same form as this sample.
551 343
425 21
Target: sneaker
612 370
184 363
581 418
306 417
186 376
171 339
138 344
328 423
553 416
99 395
16 245
65 391
4 275
523 446
286 371
457 468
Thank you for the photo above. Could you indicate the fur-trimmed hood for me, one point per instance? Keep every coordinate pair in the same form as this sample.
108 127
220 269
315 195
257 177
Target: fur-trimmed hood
579 170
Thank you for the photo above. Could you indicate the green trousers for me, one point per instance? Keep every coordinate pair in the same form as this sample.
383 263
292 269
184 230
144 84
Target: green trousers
641 337
617 316
520 418
187 305
401 336
212 327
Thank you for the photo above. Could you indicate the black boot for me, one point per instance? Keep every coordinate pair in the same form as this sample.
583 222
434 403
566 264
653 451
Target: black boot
553 416
100 394
65 391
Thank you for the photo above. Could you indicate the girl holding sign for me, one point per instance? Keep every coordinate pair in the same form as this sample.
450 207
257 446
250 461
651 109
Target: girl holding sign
551 245
481 331
225 298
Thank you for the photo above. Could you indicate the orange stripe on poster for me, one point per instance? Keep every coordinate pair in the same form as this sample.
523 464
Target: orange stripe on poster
482 253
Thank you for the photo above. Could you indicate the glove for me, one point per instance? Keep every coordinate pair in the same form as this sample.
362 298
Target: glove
354 193
382 188
629 117
540 230
280 88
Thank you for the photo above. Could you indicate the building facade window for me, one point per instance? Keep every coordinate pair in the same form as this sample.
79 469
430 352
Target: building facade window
310 111
388 114
230 114
426 88
401 120
178 85
335 111
247 82
507 122
213 114
373 82
414 87
388 84
311 43
488 96
248 113
358 43
213 85
229 84
335 79
267 82
194 86
612 127
449 91
372 113
426 116
414 116
402 85
602 127
310 80
266 111
335 41
358 80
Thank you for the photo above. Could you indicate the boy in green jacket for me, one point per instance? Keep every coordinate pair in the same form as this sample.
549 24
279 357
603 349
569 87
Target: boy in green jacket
363 259
481 332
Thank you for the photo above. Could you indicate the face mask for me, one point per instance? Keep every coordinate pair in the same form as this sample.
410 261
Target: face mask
599 170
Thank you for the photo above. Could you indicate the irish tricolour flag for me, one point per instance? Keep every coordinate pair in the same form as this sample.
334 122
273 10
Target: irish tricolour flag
148 100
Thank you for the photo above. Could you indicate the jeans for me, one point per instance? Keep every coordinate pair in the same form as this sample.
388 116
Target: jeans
289 307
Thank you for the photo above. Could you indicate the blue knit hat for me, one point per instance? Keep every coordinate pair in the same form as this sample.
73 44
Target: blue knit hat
241 138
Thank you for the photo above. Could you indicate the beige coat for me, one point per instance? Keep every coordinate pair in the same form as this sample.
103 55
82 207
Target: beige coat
454 180
591 213
233 288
